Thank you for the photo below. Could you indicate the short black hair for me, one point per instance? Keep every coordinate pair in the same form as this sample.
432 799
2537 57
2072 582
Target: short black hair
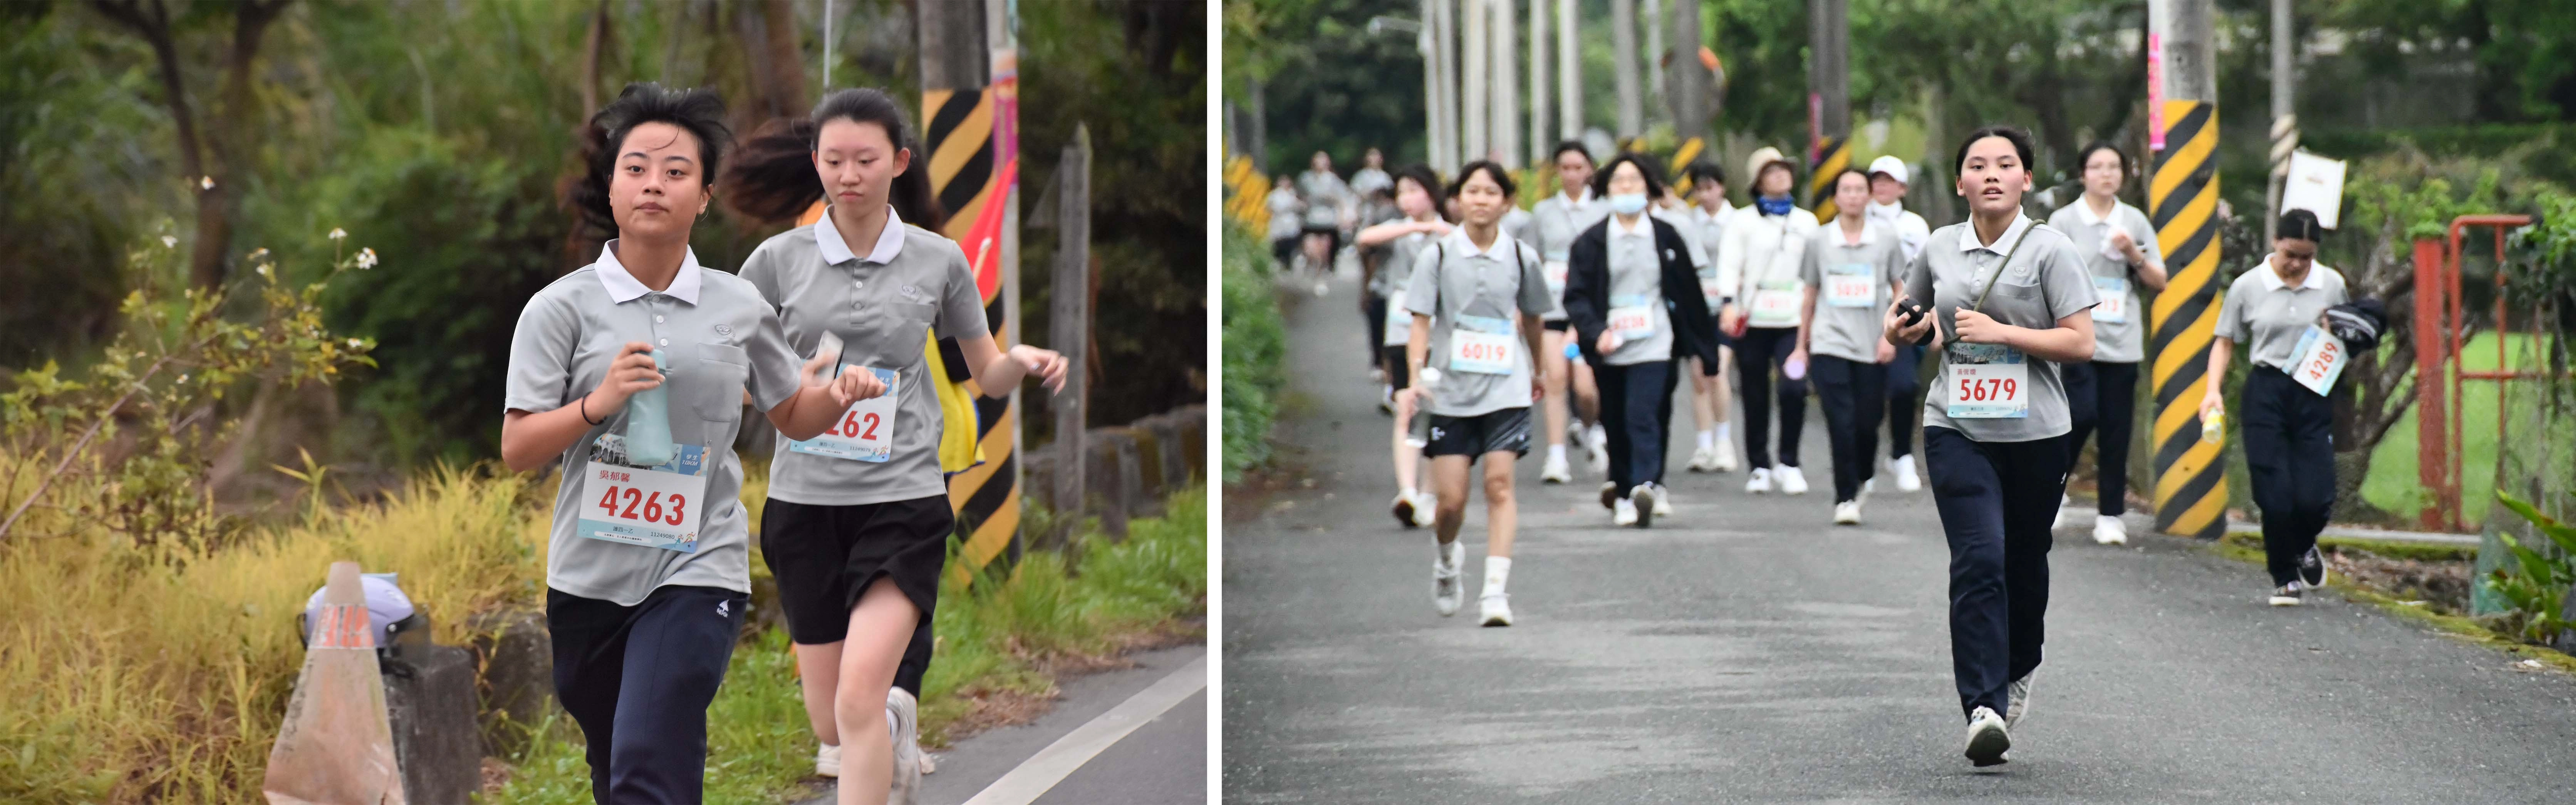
2084 156
1423 176
698 111
1645 168
1705 171
1570 145
1496 172
1838 179
2301 225
2020 141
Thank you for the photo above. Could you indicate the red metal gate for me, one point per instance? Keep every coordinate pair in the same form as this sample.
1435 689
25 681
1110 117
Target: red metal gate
2438 323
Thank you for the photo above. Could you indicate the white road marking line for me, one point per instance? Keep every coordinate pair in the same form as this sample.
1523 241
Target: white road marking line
1035 776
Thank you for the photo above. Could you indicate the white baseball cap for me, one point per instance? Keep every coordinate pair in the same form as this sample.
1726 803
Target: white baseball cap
1890 165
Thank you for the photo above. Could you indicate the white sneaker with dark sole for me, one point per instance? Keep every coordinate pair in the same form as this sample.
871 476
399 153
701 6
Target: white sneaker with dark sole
903 722
1722 457
2108 530
1663 500
1498 609
1404 510
1847 513
1446 589
1623 511
1760 483
2019 690
1641 501
1793 481
1609 493
1987 738
2288 595
1555 471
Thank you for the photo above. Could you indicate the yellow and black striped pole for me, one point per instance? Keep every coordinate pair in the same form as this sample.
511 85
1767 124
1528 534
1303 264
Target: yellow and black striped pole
966 175
1682 157
2191 475
1830 162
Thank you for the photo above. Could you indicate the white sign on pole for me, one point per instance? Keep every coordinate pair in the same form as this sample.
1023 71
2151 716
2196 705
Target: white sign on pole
2315 185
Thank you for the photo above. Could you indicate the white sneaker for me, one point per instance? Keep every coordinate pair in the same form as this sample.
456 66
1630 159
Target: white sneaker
827 761
2019 690
1987 740
1446 588
1722 456
903 721
1386 400
1847 513
1407 509
1555 471
1377 374
1792 480
1642 500
2108 530
1609 493
1322 288
1426 509
1663 501
1498 609
2288 595
1623 511
1596 442
1700 460
2065 518
1760 482
1903 469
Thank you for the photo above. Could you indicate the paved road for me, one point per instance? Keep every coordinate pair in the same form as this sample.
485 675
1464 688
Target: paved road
1745 650
1162 761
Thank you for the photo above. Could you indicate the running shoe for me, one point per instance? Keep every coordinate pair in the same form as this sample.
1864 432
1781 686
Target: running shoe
827 761
1322 288
1426 508
1498 609
2108 530
1555 471
2289 595
1792 480
1663 500
1701 460
1446 589
1623 511
1386 400
1596 442
1609 492
1987 740
1847 513
2019 690
1405 513
2066 516
1641 505
1903 468
1760 482
2312 568
1722 456
903 722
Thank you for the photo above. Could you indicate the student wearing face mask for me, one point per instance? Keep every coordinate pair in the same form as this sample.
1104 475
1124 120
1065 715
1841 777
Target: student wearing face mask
1712 394
2287 414
1633 296
2004 300
1852 268
1419 195
1758 263
1887 183
2119 248
1554 223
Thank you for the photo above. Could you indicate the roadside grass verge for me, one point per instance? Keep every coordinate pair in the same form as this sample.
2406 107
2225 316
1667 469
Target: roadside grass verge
2247 547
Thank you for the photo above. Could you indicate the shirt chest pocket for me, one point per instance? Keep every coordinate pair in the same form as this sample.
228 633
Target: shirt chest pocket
894 335
724 368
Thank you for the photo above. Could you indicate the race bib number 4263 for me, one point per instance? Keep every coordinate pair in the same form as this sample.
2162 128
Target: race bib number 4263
655 507
864 433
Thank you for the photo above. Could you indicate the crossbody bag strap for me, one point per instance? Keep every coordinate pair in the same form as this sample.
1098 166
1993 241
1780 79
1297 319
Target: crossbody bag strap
1950 335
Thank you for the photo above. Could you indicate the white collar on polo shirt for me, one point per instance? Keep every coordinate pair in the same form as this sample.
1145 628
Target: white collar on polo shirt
2003 245
2272 277
623 286
1868 232
1467 248
1572 200
1645 226
2084 208
837 251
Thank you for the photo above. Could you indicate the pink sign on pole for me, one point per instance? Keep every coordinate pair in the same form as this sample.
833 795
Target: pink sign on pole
2155 92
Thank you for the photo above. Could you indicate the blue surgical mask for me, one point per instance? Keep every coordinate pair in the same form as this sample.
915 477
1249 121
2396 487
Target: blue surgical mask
1628 203
1773 206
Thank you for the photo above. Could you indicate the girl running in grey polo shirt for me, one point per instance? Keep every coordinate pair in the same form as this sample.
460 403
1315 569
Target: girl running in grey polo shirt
2119 248
2287 415
2009 301
644 352
858 518
1554 222
1851 269
1419 195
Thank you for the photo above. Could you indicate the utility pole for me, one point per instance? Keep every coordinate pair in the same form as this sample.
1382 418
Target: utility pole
2182 194
1569 74
1690 80
1427 41
1655 53
1623 47
1478 90
1070 330
1441 17
1507 99
1538 81
2285 116
1829 88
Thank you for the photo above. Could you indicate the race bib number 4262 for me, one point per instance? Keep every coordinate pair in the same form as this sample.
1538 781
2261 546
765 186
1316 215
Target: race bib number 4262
655 507
864 433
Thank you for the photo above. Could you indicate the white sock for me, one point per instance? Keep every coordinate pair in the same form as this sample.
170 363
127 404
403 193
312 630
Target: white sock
1452 555
1498 570
1408 493
1707 439
1556 452
1722 434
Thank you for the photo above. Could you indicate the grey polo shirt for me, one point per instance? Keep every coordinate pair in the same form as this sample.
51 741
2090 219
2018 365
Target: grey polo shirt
1454 278
1852 333
1637 278
1558 219
2113 341
2268 316
2044 283
718 338
883 305
1396 271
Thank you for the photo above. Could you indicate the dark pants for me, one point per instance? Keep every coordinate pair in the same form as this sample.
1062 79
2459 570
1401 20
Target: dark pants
2104 397
1997 500
1375 312
638 680
1637 409
2289 449
1902 407
1851 396
1758 353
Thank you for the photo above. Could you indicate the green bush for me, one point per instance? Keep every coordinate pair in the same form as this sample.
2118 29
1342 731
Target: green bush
1255 343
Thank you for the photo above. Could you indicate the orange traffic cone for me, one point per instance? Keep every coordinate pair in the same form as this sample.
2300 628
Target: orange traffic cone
336 746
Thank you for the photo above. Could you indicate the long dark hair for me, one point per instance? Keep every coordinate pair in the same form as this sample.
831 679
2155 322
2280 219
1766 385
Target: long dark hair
1645 170
1424 178
773 178
698 111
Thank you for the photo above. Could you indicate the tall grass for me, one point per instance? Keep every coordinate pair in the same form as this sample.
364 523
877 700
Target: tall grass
1256 346
160 673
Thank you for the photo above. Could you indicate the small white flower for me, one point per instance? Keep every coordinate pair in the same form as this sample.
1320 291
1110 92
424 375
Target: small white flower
353 343
263 269
183 378
207 182
366 258
258 255
168 242
338 233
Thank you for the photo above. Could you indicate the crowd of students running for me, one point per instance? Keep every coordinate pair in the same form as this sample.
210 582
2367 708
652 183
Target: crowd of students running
1594 302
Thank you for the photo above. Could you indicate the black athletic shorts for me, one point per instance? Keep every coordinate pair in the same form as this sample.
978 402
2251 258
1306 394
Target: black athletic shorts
1473 436
825 556
1559 325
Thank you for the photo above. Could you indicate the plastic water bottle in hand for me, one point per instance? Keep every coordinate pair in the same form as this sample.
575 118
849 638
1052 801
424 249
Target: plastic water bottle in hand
648 421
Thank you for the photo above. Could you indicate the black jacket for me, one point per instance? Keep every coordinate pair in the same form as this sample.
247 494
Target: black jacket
1587 293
